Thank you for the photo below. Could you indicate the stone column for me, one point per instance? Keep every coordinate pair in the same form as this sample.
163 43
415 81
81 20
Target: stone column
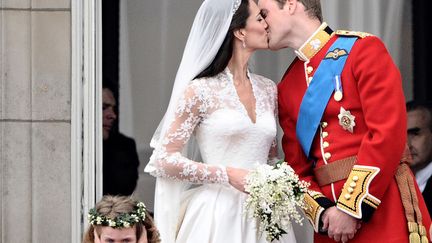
35 89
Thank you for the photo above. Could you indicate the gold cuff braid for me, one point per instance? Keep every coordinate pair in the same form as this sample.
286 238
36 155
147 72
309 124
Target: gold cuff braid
313 210
356 191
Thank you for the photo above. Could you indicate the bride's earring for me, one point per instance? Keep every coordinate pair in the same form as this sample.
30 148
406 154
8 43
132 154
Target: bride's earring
244 44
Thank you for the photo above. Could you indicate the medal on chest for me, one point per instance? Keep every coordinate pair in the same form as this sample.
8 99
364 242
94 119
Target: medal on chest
346 120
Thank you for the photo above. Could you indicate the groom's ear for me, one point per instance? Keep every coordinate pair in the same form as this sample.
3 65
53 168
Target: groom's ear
291 5
240 34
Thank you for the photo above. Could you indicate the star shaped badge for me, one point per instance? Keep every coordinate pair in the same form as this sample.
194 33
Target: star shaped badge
346 120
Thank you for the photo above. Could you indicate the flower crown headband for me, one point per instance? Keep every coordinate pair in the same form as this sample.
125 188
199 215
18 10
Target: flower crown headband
124 220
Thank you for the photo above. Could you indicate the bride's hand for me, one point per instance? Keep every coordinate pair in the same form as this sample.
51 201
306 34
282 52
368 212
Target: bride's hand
236 177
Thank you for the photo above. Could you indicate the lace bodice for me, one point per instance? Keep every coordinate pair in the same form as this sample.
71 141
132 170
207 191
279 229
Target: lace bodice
211 110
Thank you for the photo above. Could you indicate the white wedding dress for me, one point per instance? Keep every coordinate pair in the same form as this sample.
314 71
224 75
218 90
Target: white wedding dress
210 109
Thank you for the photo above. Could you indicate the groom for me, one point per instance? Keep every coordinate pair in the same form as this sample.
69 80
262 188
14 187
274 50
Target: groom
342 109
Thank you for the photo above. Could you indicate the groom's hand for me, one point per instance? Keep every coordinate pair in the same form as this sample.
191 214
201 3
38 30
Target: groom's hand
340 226
236 177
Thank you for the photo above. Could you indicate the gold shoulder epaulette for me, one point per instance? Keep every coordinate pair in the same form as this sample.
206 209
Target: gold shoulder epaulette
353 33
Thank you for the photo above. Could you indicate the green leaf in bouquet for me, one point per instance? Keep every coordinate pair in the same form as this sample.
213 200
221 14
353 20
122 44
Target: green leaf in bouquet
278 164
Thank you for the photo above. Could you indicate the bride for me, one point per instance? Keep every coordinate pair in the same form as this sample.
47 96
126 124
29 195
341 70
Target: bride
226 111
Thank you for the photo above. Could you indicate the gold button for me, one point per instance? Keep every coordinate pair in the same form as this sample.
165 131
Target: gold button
350 190
324 134
353 184
327 155
355 178
324 124
309 69
310 79
347 196
325 144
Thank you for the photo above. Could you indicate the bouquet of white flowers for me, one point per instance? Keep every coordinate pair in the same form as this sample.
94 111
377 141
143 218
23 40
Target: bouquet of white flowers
275 192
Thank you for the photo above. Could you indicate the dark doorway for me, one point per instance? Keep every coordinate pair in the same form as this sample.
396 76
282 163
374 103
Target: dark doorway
422 50
120 157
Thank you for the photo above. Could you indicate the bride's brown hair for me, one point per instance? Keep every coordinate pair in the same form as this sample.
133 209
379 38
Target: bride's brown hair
224 54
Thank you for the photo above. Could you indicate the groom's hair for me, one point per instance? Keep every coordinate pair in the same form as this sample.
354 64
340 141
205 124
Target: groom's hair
312 7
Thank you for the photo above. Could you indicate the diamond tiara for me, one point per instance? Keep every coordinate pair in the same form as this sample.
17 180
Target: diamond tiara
236 5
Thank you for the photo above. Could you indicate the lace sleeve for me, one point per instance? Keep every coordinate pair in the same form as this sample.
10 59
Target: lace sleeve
169 161
273 154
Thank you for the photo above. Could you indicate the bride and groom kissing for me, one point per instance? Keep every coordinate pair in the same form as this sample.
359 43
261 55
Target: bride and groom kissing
340 105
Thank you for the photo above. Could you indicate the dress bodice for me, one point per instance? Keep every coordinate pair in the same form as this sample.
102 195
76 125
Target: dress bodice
210 110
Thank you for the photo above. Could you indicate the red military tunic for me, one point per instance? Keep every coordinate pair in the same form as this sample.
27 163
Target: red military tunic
372 94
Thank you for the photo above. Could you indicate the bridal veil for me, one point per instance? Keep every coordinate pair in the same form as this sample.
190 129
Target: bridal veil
208 31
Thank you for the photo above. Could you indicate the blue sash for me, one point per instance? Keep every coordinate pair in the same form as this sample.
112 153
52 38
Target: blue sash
320 89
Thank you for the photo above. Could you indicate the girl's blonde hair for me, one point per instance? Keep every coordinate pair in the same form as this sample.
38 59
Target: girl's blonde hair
113 206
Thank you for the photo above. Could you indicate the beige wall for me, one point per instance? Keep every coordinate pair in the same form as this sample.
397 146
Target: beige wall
35 47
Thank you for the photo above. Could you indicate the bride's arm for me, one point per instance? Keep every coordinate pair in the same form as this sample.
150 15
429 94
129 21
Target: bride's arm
168 159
